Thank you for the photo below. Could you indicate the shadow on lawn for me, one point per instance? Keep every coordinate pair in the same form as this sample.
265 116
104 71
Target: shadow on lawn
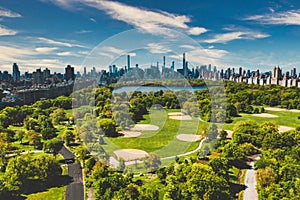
35 186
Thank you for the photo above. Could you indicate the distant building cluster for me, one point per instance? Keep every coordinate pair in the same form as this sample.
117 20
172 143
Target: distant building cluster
205 72
43 79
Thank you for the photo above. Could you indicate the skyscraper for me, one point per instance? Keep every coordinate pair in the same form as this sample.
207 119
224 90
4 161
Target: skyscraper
69 73
128 62
16 72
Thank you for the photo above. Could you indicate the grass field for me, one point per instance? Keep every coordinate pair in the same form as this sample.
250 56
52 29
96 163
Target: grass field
57 193
162 142
285 118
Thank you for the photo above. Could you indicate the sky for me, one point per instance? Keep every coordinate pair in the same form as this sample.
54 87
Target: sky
96 33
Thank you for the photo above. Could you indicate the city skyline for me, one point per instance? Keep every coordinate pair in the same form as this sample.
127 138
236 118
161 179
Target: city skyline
57 33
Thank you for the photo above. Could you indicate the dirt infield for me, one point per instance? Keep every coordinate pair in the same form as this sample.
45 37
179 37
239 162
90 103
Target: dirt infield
144 127
130 134
175 114
284 129
282 109
130 154
265 115
188 137
181 117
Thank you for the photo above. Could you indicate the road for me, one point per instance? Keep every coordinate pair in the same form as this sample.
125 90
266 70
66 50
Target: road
250 182
75 190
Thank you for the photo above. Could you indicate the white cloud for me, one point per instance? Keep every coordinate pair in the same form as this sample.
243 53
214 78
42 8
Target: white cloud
196 30
59 43
93 20
291 17
83 31
186 46
132 54
157 48
65 53
71 54
236 35
26 58
149 21
114 50
108 55
7 31
200 56
45 50
8 13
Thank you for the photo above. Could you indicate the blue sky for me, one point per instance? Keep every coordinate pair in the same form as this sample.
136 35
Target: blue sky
53 33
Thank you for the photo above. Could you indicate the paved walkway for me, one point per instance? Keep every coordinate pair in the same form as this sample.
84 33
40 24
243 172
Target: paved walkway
75 190
250 181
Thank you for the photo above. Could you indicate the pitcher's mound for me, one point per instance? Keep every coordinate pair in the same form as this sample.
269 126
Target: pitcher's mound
130 154
144 127
188 137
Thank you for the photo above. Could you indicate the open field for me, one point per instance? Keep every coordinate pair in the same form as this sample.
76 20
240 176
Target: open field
284 118
162 141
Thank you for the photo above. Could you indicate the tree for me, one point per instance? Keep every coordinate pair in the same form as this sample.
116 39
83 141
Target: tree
232 111
26 167
4 121
20 135
48 133
212 132
191 108
4 147
58 116
53 146
81 152
35 140
68 136
266 177
45 122
220 166
30 123
108 126
223 135
121 166
152 162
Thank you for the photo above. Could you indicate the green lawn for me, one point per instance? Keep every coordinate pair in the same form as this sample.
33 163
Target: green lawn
285 118
162 142
57 193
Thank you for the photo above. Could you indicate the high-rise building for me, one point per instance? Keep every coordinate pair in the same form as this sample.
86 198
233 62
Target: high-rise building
16 72
46 73
38 77
293 73
276 75
69 73
128 62
84 72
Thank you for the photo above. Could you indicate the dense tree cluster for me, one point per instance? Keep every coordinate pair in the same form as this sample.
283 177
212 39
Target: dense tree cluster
22 169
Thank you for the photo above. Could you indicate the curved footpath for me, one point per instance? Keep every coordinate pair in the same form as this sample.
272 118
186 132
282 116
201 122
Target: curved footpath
75 189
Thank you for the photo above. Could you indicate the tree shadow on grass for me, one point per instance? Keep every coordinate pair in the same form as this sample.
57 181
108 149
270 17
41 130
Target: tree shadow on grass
35 186
236 188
